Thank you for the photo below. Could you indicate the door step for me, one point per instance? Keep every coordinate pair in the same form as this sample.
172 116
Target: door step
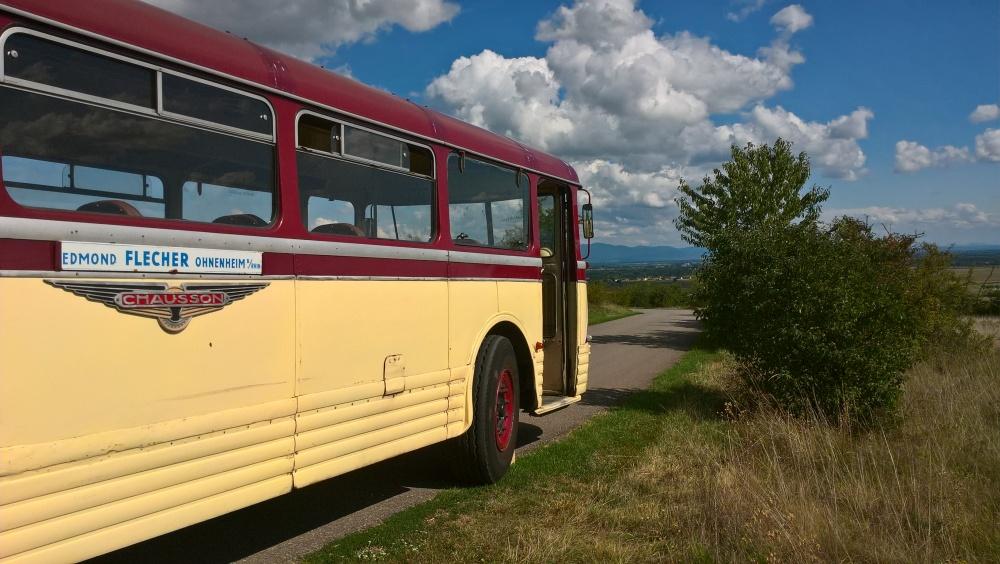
549 407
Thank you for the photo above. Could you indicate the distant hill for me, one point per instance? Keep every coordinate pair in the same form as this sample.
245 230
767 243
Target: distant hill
603 253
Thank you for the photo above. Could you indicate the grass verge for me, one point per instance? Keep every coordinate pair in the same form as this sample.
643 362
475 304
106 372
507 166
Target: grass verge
601 313
678 473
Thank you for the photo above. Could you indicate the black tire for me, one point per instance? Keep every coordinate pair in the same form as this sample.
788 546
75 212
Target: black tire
480 456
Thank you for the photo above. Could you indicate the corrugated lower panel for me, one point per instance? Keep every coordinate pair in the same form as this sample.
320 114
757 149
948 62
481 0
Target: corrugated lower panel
51 506
137 530
356 427
350 445
369 408
108 467
340 465
54 530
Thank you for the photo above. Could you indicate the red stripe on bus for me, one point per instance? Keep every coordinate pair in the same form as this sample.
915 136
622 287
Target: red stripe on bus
20 254
469 270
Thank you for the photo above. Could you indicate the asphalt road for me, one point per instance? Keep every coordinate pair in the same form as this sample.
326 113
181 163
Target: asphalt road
627 354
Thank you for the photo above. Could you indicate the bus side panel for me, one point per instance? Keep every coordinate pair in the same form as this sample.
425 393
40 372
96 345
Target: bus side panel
106 420
372 372
583 347
523 301
471 304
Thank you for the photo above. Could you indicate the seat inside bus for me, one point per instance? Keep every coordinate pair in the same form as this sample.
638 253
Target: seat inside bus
348 229
114 207
244 219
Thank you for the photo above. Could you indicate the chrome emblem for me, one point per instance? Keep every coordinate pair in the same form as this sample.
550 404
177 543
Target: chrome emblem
171 307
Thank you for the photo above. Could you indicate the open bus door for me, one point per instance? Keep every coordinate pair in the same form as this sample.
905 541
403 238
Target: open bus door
560 317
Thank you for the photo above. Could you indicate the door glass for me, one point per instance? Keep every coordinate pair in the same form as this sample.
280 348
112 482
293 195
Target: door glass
547 221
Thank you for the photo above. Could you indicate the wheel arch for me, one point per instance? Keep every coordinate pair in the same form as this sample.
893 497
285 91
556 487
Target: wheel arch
525 361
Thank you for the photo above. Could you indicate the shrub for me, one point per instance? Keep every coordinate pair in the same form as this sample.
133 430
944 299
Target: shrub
828 317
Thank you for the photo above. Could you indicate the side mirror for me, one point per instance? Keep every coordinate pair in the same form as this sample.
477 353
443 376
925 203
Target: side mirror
588 221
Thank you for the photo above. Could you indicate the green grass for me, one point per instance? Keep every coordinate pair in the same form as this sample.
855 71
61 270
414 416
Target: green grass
597 450
688 471
601 313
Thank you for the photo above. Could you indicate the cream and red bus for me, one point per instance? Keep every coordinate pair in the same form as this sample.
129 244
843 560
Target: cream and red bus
226 273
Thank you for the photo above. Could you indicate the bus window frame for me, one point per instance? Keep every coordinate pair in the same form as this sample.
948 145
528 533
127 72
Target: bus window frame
158 70
156 113
436 222
532 242
341 123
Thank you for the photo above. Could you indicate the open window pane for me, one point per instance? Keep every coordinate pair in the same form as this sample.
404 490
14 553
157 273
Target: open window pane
374 147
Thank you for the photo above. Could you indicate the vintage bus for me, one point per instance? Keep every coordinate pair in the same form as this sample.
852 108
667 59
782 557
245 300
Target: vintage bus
226 273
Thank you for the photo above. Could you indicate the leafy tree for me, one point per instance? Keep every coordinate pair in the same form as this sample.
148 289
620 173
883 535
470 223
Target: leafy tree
760 187
820 317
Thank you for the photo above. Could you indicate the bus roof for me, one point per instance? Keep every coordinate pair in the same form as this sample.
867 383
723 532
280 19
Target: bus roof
160 33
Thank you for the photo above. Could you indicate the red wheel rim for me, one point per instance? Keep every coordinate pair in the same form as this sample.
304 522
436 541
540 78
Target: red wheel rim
504 409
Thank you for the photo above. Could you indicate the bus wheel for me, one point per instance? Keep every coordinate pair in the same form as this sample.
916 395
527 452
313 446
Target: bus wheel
483 454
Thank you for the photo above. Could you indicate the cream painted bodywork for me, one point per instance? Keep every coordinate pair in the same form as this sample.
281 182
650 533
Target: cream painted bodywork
582 347
113 431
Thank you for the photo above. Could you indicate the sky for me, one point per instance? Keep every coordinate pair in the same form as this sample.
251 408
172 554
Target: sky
896 102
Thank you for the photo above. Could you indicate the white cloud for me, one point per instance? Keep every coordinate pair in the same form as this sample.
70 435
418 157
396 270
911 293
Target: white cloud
988 146
312 28
912 156
792 19
609 89
744 9
985 112
637 207
961 215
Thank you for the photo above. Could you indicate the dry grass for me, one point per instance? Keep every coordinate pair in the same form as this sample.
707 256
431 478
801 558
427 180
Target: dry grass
694 479
988 326
922 490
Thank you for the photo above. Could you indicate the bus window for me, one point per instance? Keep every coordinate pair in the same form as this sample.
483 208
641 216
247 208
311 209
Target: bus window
397 205
44 184
225 204
143 163
487 206
321 211
403 223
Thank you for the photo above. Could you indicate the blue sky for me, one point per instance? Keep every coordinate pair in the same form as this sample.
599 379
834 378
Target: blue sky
637 95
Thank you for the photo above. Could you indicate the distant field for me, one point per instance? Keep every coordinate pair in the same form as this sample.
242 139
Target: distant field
979 277
979 274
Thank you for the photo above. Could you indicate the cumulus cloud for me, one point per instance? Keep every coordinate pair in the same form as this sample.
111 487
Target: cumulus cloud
637 207
792 19
988 146
912 156
961 215
985 112
633 110
312 28
610 89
